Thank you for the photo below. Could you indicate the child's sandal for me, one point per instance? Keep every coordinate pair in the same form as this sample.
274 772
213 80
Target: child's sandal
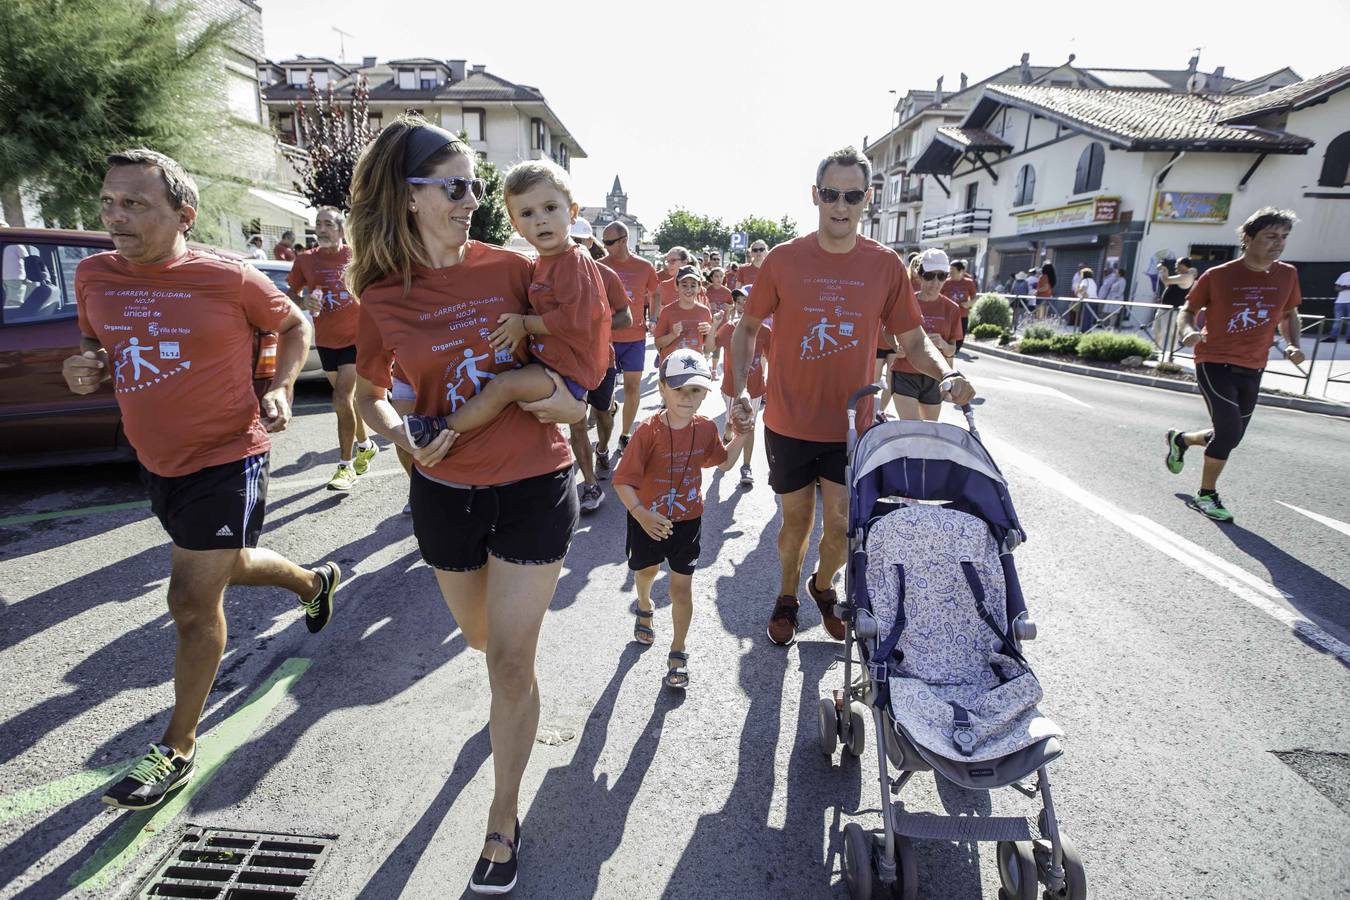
643 634
677 676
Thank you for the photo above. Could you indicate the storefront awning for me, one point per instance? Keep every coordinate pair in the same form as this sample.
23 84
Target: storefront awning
291 204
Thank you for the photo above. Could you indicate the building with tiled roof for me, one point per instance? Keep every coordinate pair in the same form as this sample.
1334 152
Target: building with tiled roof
1102 176
505 122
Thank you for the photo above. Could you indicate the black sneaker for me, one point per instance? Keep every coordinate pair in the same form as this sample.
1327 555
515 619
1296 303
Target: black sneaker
497 877
623 442
783 620
320 609
150 780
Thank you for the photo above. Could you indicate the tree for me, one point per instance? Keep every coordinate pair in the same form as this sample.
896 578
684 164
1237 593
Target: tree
490 223
80 79
334 135
681 228
767 230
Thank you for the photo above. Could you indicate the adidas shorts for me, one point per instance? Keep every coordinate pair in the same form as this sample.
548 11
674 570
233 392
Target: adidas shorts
216 508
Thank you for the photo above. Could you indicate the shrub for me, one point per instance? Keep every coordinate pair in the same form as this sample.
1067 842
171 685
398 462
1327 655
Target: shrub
1005 338
1039 332
991 309
1034 345
986 331
1065 343
1108 347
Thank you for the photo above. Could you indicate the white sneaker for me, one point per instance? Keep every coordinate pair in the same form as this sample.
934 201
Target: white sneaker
591 497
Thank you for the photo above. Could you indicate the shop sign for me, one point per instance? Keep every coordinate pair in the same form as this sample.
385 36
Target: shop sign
1088 212
1191 207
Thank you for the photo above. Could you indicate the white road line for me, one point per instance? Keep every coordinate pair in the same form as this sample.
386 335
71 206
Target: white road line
1316 517
1254 590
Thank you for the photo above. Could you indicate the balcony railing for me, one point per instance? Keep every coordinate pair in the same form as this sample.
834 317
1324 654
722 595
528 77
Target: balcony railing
967 221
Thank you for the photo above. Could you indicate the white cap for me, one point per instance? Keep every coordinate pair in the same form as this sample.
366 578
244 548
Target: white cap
687 368
582 229
934 260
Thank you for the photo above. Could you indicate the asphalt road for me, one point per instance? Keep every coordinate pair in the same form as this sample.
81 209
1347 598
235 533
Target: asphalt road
1199 670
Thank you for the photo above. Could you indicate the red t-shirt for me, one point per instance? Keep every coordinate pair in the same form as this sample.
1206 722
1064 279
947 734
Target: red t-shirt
754 382
179 337
941 317
321 270
1242 309
959 290
283 251
617 298
719 297
440 333
568 292
1043 288
747 274
639 283
665 467
828 310
668 291
689 337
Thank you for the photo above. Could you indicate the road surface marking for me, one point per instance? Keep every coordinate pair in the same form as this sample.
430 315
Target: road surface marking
55 793
1029 387
1325 520
1237 581
65 513
101 868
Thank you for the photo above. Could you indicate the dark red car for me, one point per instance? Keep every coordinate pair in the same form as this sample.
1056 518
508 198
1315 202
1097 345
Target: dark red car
41 422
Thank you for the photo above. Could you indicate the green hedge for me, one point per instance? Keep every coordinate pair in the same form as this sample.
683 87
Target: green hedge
1108 347
991 309
986 331
1039 332
1034 346
1065 343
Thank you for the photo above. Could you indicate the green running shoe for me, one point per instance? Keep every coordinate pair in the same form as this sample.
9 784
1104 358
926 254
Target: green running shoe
344 479
151 779
320 609
1176 453
1210 505
363 457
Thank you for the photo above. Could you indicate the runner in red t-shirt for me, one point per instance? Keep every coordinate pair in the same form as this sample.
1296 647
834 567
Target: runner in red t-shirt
755 383
830 293
493 509
285 248
315 282
687 323
916 395
748 272
1245 301
630 344
961 289
172 331
660 481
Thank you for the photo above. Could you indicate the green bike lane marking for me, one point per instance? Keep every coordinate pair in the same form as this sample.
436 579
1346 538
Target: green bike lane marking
101 868
64 513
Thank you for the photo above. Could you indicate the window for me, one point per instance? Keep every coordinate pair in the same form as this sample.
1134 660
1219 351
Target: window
1089 174
1336 164
39 280
473 124
375 121
427 80
320 77
972 192
1025 187
892 229
539 135
407 79
241 93
298 77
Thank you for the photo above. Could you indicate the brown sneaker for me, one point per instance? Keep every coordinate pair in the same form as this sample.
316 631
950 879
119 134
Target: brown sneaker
826 600
783 622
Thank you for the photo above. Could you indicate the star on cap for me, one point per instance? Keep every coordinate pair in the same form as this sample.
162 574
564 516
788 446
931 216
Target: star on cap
691 363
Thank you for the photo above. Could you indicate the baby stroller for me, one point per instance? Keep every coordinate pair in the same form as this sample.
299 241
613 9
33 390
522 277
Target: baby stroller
933 606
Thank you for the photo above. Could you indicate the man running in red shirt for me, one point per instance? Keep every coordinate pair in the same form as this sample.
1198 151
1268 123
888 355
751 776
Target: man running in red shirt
630 344
173 328
830 293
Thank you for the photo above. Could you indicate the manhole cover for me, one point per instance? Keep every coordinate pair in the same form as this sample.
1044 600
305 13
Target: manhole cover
1328 772
238 865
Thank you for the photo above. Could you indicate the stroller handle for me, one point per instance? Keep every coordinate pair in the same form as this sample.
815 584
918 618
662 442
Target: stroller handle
870 390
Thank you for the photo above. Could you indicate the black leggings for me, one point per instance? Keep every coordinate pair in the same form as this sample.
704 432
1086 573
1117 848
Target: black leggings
1230 393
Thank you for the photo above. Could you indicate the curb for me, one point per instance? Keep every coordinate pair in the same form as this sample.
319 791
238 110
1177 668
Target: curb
1304 404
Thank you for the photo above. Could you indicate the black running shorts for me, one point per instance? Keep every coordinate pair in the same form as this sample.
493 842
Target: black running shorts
924 388
216 508
603 395
528 522
333 358
794 463
680 550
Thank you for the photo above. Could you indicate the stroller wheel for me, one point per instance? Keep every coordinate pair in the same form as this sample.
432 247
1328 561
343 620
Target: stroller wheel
827 720
857 728
1075 878
857 862
906 886
1017 871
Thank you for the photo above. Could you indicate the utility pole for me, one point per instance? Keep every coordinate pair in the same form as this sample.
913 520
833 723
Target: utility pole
342 44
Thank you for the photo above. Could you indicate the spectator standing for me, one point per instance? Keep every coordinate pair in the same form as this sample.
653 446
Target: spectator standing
284 248
1340 326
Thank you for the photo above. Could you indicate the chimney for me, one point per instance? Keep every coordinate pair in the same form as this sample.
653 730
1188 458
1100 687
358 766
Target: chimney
1194 63
456 69
937 94
477 70
964 81
1024 75
367 62
1072 57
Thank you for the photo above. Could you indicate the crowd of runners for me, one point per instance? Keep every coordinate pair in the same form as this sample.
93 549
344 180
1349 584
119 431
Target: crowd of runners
469 358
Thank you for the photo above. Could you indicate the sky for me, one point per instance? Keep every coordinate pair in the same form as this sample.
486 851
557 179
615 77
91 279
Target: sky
725 108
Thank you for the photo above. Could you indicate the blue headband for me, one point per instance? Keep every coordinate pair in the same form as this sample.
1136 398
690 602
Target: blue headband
422 142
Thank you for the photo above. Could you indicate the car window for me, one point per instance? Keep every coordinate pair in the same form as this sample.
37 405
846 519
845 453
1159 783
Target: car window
39 281
278 277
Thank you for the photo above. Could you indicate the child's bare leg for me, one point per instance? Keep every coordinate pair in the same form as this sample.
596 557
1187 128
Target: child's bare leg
643 579
522 385
681 608
749 448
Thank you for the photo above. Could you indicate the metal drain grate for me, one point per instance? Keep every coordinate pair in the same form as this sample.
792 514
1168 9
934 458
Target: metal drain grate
219 864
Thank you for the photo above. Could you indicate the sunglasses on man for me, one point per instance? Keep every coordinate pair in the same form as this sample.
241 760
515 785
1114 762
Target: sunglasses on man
934 276
830 195
610 242
455 187
759 249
